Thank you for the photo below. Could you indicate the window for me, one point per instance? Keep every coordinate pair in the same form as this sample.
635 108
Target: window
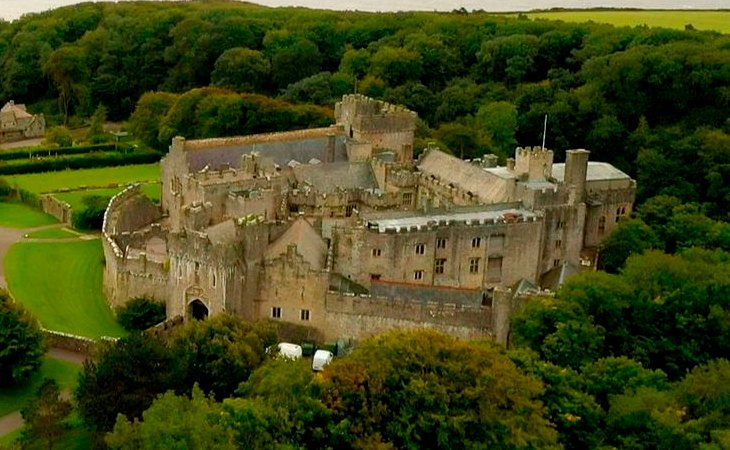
418 275
212 280
441 243
276 312
494 269
476 242
558 243
439 267
620 212
559 225
473 265
556 262
602 224
349 209
420 249
374 276
376 252
304 314
407 199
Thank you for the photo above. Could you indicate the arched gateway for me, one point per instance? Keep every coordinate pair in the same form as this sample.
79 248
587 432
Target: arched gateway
197 310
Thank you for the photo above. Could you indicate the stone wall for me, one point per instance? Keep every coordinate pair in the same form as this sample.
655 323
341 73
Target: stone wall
57 208
357 317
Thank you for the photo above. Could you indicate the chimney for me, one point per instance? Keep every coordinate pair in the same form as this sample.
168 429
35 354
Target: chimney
576 171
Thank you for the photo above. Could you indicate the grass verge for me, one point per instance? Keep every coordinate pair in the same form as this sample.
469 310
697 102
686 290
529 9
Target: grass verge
61 283
65 374
17 215
73 179
53 233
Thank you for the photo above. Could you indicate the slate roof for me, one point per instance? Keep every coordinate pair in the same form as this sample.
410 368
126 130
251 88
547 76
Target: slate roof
309 244
327 177
597 171
555 277
222 233
489 187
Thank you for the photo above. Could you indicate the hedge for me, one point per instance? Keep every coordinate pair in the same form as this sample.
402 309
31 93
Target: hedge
84 162
62 151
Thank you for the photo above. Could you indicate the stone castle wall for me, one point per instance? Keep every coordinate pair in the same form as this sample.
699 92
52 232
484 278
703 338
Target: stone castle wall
57 208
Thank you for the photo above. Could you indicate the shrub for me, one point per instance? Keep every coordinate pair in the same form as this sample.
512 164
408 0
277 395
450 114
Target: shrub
140 313
91 217
21 342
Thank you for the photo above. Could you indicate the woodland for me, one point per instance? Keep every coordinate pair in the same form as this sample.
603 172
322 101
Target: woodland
628 357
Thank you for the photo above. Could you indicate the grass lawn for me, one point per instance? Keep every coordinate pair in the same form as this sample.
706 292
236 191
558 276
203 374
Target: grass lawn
61 283
701 20
73 179
75 198
65 373
17 215
53 233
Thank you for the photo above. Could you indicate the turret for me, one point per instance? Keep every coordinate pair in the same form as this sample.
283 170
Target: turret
535 164
576 170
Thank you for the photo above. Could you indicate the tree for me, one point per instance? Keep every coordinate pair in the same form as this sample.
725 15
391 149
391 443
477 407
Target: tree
219 353
21 342
174 422
124 378
415 389
241 69
44 416
140 313
91 216
67 68
498 122
96 128
60 136
631 236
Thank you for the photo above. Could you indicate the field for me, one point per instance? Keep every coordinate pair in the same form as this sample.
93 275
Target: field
701 20
74 198
73 179
16 215
65 373
61 283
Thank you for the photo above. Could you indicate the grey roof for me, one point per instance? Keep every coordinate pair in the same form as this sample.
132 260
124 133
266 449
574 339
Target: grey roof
487 186
308 242
281 152
555 277
597 171
328 177
222 233
423 220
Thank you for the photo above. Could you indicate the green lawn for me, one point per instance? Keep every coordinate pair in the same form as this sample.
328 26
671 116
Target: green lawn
61 283
75 198
701 20
65 373
73 179
53 233
17 215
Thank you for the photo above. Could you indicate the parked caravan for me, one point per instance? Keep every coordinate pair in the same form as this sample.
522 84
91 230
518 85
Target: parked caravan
321 359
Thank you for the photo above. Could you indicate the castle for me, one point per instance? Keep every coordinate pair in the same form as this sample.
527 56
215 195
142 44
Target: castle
341 229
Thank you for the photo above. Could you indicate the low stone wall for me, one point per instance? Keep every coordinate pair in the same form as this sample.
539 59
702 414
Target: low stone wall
57 208
70 342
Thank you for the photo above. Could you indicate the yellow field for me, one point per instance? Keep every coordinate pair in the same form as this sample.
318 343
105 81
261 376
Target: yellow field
701 20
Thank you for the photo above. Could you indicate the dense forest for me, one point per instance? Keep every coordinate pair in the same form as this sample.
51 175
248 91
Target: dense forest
627 358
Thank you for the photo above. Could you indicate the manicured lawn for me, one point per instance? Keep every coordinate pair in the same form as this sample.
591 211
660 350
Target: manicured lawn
53 233
17 215
75 198
65 373
61 283
701 20
73 179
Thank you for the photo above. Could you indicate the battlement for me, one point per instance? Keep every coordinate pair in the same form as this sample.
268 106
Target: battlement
534 162
466 219
360 105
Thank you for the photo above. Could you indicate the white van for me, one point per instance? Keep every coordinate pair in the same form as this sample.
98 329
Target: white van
321 359
291 351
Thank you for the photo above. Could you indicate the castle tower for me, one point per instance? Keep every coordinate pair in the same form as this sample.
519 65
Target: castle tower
576 170
536 163
385 126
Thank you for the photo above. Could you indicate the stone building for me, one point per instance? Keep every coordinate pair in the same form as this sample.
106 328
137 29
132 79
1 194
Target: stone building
341 229
17 124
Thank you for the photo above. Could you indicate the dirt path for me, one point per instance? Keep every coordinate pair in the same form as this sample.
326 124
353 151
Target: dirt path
10 423
8 237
